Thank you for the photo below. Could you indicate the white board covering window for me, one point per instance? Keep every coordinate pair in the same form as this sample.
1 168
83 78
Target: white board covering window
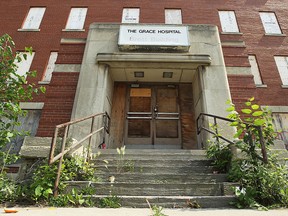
50 66
282 65
24 65
270 23
228 21
130 15
255 69
34 18
76 18
173 16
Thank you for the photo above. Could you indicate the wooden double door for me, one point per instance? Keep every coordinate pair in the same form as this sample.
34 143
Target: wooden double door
152 117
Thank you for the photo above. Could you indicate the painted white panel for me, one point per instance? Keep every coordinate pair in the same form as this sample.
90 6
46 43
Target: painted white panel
50 66
255 70
24 65
76 18
34 18
270 23
173 16
130 15
228 21
280 122
282 65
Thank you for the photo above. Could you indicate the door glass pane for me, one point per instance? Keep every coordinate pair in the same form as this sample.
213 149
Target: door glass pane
167 129
138 128
140 101
166 100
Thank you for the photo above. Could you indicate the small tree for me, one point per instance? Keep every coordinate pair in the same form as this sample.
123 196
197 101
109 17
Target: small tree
13 89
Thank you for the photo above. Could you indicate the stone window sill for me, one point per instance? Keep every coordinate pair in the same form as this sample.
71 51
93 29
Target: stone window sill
28 30
73 30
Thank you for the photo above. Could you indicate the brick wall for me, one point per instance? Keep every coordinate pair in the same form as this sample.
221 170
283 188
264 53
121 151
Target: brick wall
60 92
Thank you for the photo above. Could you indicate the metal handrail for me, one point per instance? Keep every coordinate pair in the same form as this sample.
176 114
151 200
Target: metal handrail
215 117
52 159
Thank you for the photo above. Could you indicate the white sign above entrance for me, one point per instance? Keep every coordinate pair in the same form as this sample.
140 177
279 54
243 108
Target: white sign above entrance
153 37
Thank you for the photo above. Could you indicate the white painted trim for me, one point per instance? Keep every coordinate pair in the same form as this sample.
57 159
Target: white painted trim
32 105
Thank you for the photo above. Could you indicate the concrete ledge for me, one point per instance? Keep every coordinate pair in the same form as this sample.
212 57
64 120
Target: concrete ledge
67 68
277 109
240 44
35 147
238 70
31 105
28 30
73 41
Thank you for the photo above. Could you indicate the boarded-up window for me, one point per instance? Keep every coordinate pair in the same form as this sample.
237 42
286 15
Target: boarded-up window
130 15
280 122
228 21
34 18
76 18
255 70
282 65
24 65
270 23
173 16
50 66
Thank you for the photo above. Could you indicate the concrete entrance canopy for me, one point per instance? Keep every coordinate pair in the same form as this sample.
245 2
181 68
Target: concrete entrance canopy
123 65
103 64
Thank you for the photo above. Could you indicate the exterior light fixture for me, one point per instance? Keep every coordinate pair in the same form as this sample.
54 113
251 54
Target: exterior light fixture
138 74
167 74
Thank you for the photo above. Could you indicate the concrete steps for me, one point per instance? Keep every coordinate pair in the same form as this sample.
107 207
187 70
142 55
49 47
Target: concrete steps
170 178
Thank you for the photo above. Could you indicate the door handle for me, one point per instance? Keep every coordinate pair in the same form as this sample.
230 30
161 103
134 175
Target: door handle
156 108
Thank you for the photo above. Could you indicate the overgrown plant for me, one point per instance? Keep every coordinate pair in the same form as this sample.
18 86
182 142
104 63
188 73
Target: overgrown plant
40 188
262 183
13 89
121 159
110 202
221 155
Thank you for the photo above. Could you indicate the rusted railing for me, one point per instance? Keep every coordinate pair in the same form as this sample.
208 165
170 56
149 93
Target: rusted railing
62 130
200 127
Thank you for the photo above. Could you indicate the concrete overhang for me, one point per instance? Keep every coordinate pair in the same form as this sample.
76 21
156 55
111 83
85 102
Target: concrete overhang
155 60
122 66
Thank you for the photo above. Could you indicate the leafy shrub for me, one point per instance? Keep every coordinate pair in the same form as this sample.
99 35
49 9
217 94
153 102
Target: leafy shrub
8 189
263 182
40 188
221 155
110 202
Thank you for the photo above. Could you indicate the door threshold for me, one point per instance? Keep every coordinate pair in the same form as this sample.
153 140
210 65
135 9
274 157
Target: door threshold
153 146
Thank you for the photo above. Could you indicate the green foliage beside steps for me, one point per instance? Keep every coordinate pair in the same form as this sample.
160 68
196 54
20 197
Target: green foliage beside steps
263 184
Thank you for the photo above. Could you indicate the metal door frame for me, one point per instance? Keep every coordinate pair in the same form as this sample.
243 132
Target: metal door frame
152 116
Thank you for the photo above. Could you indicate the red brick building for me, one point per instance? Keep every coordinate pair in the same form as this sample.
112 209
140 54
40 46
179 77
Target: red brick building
179 57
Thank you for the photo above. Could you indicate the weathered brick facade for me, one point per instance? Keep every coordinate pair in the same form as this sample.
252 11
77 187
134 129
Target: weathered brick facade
61 90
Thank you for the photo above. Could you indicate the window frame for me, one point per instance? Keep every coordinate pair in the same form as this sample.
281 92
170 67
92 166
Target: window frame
29 15
257 77
130 8
173 9
47 74
69 23
25 65
284 75
266 28
224 26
